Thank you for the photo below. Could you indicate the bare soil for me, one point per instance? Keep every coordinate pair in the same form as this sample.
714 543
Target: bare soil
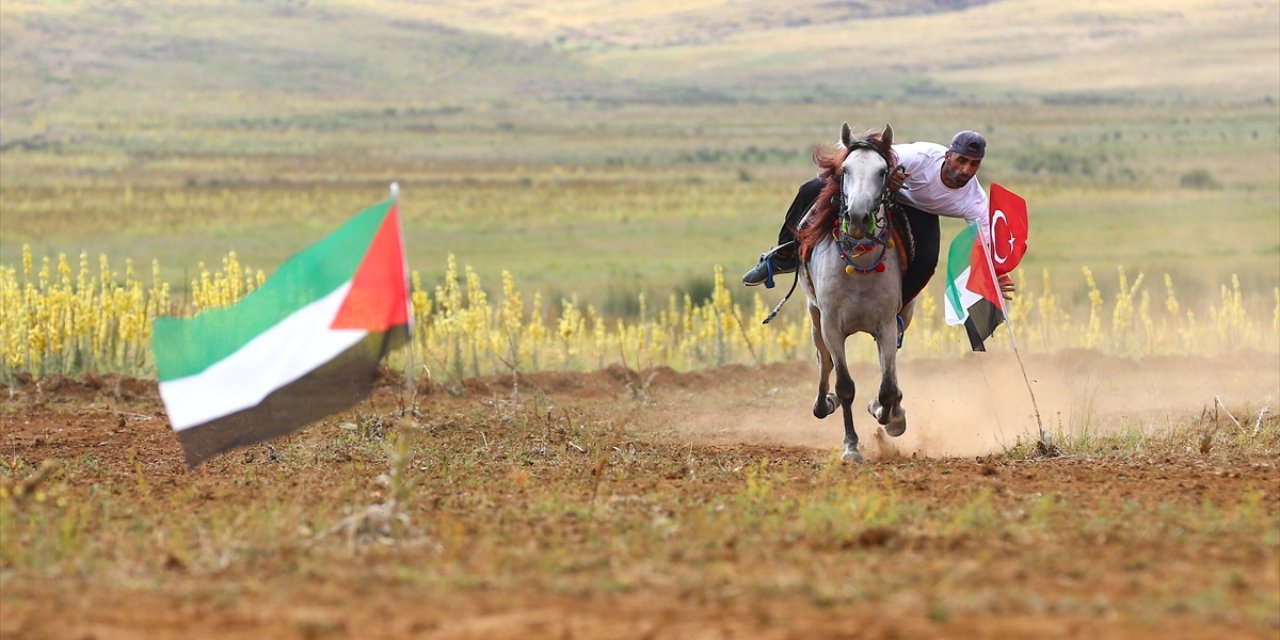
667 448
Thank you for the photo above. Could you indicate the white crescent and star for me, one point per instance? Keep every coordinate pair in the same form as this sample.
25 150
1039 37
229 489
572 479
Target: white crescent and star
995 250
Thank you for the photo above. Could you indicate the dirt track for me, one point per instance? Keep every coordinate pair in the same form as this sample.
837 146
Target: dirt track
691 437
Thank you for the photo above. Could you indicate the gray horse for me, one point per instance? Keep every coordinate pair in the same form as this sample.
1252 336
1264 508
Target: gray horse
851 271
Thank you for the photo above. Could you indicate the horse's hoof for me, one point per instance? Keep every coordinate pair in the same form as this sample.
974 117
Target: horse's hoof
825 407
897 425
851 456
894 424
878 412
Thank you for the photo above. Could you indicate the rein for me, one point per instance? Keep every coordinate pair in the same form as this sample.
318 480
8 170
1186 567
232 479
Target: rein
851 250
878 227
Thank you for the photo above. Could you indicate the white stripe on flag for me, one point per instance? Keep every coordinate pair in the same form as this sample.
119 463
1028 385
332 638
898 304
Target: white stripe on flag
292 348
967 298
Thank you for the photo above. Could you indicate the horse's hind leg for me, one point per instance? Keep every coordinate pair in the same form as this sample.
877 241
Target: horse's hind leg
886 408
825 404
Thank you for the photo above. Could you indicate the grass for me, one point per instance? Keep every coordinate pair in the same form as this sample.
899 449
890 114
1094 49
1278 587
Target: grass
1132 51
679 52
593 157
641 197
1217 433
514 495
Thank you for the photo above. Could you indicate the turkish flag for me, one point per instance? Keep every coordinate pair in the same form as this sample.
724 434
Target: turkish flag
1008 223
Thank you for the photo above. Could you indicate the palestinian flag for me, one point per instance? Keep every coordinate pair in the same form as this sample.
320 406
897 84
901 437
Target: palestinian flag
303 346
972 295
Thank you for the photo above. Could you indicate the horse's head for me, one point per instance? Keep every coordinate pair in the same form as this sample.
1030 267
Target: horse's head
855 177
864 178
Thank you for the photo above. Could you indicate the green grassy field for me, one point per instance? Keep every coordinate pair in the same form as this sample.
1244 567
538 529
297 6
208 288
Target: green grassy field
597 150
653 211
604 165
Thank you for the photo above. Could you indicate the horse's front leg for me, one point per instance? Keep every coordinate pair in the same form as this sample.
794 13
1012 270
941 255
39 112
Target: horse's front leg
845 390
887 407
825 404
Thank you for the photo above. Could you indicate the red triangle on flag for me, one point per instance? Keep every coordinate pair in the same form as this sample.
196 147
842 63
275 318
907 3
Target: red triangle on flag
980 280
379 295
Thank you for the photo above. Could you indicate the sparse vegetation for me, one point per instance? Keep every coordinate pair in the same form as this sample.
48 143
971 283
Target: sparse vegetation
1199 179
57 324
571 181
514 495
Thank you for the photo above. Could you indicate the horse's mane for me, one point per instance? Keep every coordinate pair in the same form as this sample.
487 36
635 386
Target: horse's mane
830 161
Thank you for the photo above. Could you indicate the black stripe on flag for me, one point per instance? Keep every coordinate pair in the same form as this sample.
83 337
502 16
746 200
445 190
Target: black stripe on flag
983 319
338 385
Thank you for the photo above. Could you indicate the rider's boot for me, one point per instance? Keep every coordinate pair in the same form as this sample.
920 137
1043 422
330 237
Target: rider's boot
782 261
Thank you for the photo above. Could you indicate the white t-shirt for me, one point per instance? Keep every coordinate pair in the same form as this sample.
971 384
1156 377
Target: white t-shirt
924 189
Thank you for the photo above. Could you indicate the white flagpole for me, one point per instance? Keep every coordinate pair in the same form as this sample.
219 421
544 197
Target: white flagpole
1045 445
408 360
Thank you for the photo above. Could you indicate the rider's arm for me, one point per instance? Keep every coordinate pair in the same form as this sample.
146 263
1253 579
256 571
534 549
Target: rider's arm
976 210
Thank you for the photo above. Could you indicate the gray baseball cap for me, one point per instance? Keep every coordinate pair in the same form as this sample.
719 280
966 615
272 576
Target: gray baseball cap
969 143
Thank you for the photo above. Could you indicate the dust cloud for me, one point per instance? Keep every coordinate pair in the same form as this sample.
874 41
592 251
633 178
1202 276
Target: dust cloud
972 406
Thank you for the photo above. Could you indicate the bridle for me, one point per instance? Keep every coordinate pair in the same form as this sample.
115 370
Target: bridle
877 231
877 228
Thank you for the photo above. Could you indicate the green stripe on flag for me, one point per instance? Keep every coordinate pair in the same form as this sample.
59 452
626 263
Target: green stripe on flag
958 259
186 346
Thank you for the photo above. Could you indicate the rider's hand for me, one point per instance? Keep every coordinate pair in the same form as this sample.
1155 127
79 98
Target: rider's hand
1007 288
897 179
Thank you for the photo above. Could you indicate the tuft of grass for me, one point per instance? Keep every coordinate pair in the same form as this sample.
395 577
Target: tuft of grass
1198 179
1215 435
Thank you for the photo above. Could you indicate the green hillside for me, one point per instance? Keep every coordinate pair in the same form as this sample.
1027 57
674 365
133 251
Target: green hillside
203 56
632 24
1133 50
206 57
605 147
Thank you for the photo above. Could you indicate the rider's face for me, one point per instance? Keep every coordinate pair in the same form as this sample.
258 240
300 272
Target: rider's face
958 169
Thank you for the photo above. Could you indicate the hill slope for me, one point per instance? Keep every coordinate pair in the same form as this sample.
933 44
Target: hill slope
1181 49
596 24
132 55
165 57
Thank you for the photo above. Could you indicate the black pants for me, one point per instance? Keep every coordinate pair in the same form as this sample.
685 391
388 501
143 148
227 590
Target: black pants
924 228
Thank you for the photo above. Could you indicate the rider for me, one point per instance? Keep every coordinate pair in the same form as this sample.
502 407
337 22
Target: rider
935 181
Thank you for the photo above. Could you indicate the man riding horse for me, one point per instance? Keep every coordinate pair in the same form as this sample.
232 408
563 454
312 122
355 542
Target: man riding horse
930 181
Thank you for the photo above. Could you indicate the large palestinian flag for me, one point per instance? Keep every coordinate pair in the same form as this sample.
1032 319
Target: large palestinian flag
304 345
972 296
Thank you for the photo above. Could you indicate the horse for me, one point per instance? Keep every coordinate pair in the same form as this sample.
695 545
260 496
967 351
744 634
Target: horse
851 271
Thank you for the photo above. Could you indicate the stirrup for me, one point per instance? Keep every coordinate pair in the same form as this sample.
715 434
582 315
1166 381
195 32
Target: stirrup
902 330
767 259
762 273
769 267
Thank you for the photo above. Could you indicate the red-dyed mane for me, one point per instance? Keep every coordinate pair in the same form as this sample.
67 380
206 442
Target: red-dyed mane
831 169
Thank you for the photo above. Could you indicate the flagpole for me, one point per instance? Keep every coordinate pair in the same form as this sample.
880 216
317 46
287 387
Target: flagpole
1045 445
408 361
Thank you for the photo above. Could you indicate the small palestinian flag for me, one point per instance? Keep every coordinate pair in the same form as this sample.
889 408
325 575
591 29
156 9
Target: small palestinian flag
972 296
303 346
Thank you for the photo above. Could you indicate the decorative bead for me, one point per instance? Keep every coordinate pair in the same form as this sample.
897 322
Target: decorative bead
880 268
890 243
848 269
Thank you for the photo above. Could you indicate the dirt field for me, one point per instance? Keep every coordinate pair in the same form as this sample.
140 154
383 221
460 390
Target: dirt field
618 504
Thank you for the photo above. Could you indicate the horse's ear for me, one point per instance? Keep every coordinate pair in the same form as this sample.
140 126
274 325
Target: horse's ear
846 135
886 137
